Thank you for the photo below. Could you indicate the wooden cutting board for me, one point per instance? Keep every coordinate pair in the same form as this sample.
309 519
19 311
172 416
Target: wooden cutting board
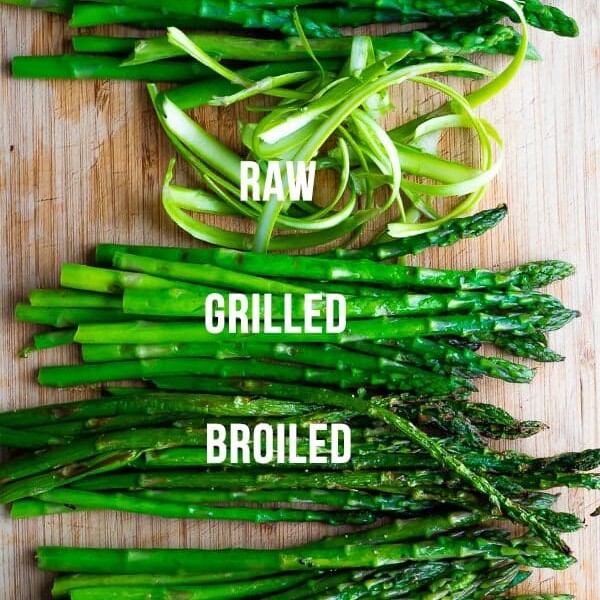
81 162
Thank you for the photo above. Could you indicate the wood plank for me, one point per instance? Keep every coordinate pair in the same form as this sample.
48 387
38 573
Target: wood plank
81 162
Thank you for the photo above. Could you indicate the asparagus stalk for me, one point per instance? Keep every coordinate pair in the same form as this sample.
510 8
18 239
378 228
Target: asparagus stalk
314 21
533 346
347 500
216 591
63 585
84 66
447 234
145 332
94 14
185 303
73 299
68 317
526 277
326 356
52 458
110 561
67 474
403 377
430 42
83 500
169 404
440 355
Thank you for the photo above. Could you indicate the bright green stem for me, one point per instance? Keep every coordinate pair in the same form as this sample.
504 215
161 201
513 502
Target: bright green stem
85 66
82 500
145 332
216 591
63 585
172 404
61 559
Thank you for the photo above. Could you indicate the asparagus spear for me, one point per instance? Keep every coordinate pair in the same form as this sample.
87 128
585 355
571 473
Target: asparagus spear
145 332
155 403
529 276
90 560
440 355
314 21
83 66
348 500
83 500
185 303
447 234
402 378
426 43
93 14
216 591
68 473
63 585
533 346
68 317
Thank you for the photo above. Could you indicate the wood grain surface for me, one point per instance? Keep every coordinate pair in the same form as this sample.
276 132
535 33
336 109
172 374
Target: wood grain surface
81 163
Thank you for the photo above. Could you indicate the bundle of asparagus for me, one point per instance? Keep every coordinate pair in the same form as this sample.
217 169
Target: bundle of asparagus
456 29
399 375
408 328
439 557
143 452
146 452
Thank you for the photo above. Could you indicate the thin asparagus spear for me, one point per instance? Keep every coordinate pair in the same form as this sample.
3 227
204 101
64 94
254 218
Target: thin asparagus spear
326 356
378 481
94 14
85 66
525 347
185 303
73 299
430 42
90 560
314 22
69 473
447 234
215 591
144 439
403 378
548 481
63 585
145 332
433 353
351 500
83 500
529 276
68 317
154 403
